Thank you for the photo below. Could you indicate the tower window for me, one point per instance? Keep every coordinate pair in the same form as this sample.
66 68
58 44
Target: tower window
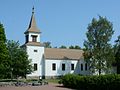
35 66
72 66
34 38
81 67
63 67
53 66
35 50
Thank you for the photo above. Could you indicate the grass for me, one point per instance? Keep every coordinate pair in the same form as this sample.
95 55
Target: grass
30 80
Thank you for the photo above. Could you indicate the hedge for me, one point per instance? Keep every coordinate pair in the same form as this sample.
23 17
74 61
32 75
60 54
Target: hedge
102 82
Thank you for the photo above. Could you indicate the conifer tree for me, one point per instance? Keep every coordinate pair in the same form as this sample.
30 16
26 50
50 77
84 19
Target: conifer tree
4 62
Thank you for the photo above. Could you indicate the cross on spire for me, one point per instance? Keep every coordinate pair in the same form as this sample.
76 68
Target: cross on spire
33 10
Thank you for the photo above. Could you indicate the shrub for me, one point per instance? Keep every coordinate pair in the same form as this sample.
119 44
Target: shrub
102 82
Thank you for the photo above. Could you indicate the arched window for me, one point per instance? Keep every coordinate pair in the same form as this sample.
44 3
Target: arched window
63 67
35 66
54 66
72 66
81 67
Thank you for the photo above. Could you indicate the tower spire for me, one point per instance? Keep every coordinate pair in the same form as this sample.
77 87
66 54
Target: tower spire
32 25
33 10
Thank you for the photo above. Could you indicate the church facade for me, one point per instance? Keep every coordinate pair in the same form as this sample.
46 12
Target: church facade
51 62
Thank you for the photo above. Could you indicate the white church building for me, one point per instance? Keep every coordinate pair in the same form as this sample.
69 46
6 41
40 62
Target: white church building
51 62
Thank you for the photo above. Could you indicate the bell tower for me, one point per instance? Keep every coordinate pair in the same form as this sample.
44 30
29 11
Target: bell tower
34 48
32 34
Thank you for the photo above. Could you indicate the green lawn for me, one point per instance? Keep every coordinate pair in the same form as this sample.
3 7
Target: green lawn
48 80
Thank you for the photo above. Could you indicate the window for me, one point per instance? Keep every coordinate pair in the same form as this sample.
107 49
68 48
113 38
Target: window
81 67
86 66
53 66
35 67
72 66
34 38
27 37
63 67
35 50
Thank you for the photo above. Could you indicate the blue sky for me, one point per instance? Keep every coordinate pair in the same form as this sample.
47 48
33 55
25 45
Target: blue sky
62 22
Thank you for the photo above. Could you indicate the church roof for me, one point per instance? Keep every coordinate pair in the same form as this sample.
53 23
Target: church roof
63 54
32 26
34 44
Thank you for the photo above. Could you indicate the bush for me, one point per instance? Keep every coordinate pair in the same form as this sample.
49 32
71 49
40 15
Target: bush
102 82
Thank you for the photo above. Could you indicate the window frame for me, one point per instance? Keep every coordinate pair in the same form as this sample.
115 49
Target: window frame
81 67
35 66
34 38
72 66
63 66
86 67
35 50
54 66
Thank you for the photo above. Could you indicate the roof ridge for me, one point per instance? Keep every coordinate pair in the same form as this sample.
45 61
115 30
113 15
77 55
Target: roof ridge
65 49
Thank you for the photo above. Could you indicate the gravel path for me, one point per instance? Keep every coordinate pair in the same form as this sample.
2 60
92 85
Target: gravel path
51 86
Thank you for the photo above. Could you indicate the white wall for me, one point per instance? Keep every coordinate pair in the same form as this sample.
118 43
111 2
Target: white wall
36 57
58 71
83 72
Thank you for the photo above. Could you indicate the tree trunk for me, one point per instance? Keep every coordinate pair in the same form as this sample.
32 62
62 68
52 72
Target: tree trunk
99 71
99 67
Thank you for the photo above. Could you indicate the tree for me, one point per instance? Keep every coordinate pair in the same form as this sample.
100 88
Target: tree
77 47
117 53
98 50
20 65
63 47
47 44
71 47
74 47
4 63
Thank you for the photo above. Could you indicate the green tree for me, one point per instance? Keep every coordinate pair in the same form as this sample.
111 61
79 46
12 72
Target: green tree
98 51
47 44
77 47
20 65
63 47
71 47
117 53
74 47
4 63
